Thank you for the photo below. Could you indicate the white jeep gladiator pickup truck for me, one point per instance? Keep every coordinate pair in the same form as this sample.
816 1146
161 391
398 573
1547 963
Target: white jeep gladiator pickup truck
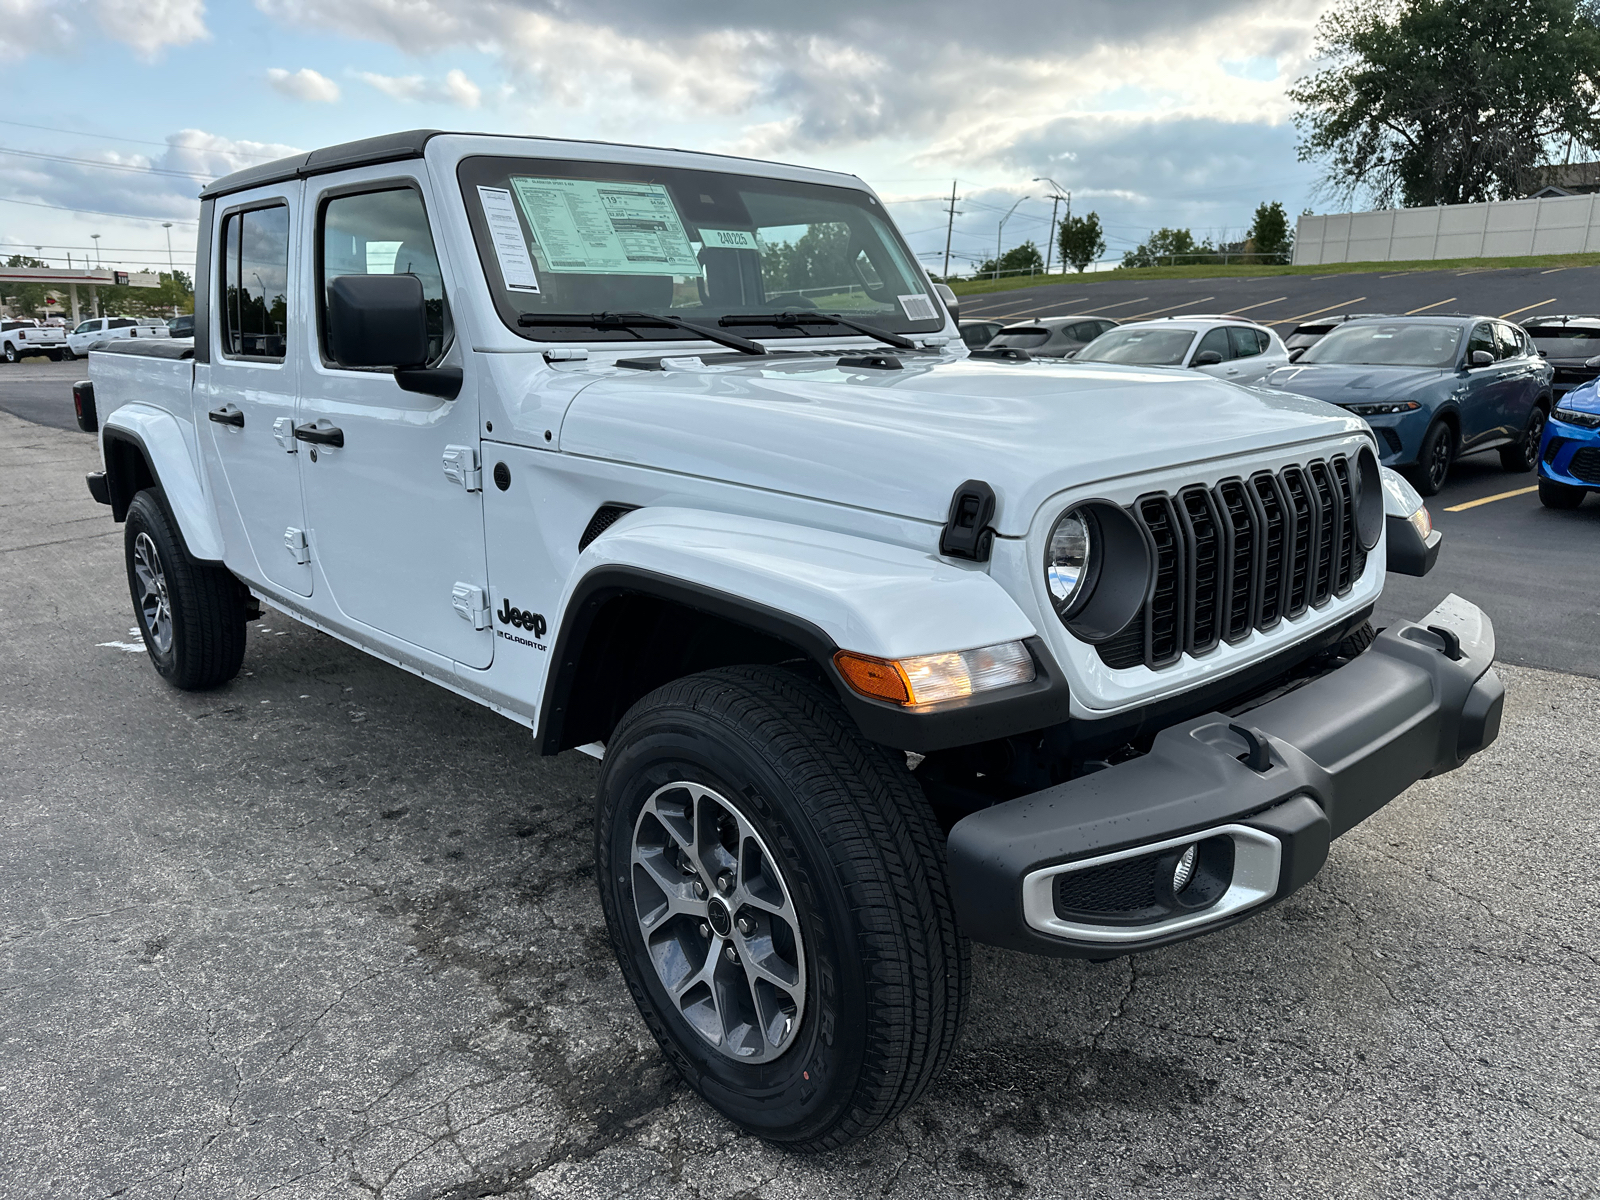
885 646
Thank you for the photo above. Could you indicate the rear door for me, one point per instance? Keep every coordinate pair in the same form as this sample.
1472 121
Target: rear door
399 540
246 394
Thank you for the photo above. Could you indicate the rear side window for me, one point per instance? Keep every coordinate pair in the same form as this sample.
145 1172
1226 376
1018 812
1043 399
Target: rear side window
1022 339
120 323
384 233
1507 344
255 283
1247 343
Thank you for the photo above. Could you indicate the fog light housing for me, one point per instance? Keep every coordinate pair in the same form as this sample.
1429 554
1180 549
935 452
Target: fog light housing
931 678
1184 871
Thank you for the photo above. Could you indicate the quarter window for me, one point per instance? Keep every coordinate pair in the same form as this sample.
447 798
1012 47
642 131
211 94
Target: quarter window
255 283
384 233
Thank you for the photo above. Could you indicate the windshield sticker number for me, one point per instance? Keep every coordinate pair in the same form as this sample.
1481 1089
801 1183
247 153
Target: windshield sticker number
594 227
510 247
918 307
730 239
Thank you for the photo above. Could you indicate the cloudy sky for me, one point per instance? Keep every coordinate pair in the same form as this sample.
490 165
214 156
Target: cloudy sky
1150 112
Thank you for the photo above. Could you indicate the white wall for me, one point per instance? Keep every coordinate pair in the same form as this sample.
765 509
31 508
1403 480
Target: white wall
1498 229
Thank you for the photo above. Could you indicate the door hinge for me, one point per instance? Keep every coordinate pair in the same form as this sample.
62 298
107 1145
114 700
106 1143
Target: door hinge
283 430
294 540
471 604
461 466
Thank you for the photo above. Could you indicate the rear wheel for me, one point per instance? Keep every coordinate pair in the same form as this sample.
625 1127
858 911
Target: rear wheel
1523 453
1560 495
775 890
10 353
191 614
1433 460
69 355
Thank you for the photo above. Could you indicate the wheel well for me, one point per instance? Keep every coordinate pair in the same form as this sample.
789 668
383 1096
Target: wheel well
631 643
128 472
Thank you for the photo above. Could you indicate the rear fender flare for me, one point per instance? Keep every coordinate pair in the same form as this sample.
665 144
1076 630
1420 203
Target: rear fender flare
158 438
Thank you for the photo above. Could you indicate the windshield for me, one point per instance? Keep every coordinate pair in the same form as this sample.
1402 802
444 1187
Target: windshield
560 238
1163 347
1561 342
1408 345
1021 338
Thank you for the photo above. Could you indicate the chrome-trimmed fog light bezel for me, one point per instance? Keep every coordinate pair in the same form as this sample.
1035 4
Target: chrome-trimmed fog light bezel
1119 571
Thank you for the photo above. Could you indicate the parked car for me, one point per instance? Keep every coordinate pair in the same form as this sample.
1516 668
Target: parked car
1051 337
1569 458
100 329
1433 388
976 333
1311 332
1230 348
760 561
181 327
22 338
1572 346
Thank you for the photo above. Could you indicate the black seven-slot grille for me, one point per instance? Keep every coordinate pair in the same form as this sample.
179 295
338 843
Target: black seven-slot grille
1239 556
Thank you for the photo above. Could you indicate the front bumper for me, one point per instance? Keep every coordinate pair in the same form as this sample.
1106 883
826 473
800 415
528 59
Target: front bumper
1570 454
1267 790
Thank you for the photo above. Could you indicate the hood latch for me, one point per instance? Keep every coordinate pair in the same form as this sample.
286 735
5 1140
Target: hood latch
968 532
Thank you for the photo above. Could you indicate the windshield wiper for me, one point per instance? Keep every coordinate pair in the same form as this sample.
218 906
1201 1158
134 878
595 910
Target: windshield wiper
630 320
794 320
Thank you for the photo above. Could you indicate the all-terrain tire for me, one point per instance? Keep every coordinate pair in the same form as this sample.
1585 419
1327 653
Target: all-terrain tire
854 845
196 638
1560 495
1357 641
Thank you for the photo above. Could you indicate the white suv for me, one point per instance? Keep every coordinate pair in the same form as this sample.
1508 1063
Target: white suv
1231 348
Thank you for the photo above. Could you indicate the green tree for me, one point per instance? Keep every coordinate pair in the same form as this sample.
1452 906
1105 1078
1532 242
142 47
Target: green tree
1449 101
1269 232
28 299
1080 240
819 257
1166 246
175 291
1019 260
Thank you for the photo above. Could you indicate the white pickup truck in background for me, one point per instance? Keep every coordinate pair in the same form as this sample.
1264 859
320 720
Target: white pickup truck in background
21 338
100 329
679 460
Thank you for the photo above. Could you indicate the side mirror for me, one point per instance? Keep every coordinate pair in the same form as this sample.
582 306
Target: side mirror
1070 354
1480 358
950 300
377 321
1294 355
1206 358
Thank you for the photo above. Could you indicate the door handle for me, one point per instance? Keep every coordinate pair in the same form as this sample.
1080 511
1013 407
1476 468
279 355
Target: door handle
228 415
327 435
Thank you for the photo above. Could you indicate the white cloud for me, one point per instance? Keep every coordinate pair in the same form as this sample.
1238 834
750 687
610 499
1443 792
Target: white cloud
33 26
149 26
455 88
304 84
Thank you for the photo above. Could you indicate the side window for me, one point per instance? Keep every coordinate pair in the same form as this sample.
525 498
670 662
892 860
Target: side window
1246 342
255 283
1086 331
1216 340
1509 346
384 233
120 323
1482 339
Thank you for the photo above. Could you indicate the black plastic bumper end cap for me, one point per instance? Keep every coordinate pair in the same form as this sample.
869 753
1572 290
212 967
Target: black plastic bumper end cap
1409 553
98 488
1304 832
1480 718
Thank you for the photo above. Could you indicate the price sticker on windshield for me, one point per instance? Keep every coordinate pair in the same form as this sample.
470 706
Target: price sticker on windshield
729 239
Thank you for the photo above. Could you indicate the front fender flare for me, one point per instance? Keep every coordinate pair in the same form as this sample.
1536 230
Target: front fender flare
821 592
159 439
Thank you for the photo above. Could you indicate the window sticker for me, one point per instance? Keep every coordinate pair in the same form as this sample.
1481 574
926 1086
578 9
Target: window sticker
600 227
730 239
918 307
516 268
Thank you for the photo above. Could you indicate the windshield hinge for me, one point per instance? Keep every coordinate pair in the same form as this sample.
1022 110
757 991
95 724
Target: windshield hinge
968 533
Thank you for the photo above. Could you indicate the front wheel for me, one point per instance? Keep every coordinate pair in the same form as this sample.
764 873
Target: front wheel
1433 460
191 614
1523 453
775 890
1560 495
10 353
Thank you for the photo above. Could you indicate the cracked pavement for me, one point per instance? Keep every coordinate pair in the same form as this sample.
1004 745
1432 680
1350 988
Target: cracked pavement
332 932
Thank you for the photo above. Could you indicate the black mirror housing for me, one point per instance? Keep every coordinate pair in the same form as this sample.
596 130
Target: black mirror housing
1206 358
1294 355
377 321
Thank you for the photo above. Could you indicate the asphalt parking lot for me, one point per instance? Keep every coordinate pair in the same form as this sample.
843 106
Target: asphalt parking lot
332 932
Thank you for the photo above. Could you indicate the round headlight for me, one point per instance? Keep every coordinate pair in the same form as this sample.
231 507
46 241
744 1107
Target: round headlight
1070 562
1097 569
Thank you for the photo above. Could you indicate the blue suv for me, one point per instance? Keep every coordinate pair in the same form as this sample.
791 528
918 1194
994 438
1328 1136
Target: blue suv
1569 460
1433 388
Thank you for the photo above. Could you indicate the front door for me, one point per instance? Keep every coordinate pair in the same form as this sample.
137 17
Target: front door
249 389
398 538
1484 390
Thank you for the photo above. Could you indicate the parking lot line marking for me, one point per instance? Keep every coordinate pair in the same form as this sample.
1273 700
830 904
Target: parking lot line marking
1491 499
1552 270
1028 312
1315 311
1397 275
1233 312
1526 307
1156 311
1426 307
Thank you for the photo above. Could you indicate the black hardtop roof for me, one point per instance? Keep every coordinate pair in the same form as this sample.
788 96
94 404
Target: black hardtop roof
1585 319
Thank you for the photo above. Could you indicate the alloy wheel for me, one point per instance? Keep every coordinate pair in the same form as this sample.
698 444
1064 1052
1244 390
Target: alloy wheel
155 608
1439 459
1535 435
719 922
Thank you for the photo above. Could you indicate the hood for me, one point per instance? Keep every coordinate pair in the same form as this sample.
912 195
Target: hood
1353 383
1585 397
900 442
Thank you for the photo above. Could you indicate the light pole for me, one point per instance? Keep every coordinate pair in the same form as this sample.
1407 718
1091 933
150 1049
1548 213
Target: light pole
172 268
96 238
1055 198
1000 232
